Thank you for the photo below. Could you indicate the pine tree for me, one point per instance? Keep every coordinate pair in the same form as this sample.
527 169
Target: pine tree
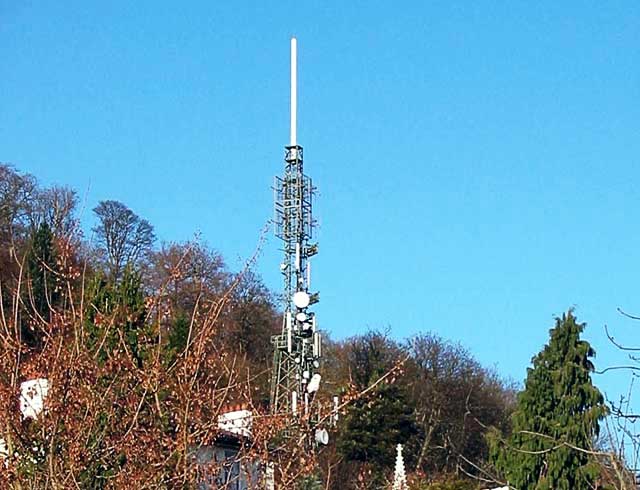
41 291
177 338
311 482
373 427
375 423
123 305
557 414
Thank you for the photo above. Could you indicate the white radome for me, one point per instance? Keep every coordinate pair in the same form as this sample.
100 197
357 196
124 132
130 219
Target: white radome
314 383
301 299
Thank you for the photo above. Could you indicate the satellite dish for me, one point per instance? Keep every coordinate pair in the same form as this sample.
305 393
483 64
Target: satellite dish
301 299
314 383
301 316
322 436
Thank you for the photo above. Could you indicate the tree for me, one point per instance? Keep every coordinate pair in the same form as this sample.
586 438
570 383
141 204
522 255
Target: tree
311 482
123 303
456 399
556 419
41 293
620 443
57 208
122 236
177 338
376 423
182 274
252 319
17 197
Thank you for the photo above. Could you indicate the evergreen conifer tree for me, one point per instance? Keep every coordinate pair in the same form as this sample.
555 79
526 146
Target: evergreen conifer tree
177 338
557 415
374 426
375 423
41 292
123 304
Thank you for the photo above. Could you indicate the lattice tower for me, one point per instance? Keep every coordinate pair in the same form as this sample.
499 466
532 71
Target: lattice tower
298 349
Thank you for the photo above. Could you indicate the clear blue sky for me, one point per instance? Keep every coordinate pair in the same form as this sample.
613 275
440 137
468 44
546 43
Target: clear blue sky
477 161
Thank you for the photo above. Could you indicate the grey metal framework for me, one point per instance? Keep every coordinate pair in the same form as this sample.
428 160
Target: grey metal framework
297 350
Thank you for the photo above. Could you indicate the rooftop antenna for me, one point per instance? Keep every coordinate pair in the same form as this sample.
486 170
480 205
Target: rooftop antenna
298 349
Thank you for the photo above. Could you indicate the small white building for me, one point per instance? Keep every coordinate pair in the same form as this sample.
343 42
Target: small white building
32 395
239 422
31 401
222 464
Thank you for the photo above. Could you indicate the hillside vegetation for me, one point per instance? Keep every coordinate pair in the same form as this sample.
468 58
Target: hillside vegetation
145 343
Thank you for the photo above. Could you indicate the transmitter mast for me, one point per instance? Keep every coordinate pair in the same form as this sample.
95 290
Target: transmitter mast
297 350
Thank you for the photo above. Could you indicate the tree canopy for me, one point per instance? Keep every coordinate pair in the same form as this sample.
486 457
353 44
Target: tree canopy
123 237
557 417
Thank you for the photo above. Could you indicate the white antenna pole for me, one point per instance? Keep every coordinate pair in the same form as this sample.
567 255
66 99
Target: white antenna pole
294 91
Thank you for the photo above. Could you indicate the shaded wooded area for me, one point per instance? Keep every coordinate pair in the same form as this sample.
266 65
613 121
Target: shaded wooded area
145 344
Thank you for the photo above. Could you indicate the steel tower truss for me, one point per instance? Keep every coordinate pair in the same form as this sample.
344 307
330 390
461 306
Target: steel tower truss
297 350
